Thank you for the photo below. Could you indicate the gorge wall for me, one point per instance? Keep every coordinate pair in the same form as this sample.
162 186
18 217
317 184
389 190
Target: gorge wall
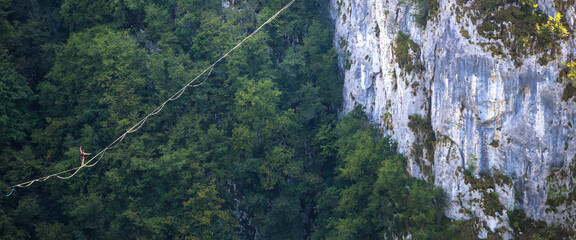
480 109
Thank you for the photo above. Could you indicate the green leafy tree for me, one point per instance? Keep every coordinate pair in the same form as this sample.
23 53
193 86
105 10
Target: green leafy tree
553 29
261 126
97 78
15 99
79 15
572 72
321 59
278 164
373 197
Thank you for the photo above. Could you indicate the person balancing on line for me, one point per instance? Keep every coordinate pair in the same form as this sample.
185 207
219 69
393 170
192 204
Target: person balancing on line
82 154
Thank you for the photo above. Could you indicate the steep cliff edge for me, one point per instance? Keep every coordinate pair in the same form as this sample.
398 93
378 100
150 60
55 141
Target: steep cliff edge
474 92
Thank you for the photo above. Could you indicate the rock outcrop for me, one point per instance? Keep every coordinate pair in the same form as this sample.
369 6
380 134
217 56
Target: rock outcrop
503 124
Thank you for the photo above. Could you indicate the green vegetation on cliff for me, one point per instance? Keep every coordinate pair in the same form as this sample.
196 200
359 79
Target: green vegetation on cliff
517 28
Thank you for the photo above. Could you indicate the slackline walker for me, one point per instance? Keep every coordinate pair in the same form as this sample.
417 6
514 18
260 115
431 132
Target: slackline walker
96 158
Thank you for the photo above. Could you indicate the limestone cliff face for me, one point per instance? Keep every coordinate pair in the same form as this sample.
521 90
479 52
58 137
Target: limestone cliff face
491 114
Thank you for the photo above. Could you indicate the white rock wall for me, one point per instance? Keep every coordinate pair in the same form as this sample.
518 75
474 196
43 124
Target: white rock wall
474 99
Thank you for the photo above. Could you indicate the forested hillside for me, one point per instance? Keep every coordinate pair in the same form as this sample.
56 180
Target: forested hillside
256 152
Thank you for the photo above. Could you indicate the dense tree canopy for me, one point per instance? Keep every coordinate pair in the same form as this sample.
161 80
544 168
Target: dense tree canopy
257 151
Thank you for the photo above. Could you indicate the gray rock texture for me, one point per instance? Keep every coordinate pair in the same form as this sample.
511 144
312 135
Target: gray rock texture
489 115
